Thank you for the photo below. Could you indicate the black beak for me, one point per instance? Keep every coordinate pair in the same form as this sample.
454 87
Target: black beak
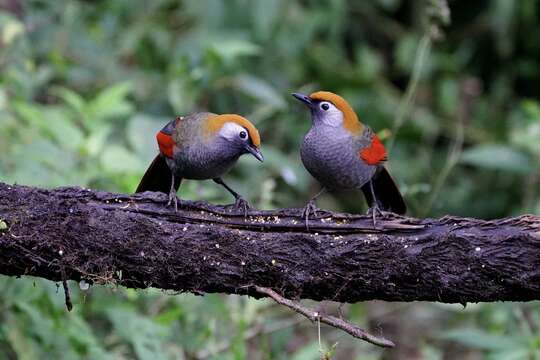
303 98
253 150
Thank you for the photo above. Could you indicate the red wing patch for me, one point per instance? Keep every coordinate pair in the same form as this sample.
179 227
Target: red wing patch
375 153
165 143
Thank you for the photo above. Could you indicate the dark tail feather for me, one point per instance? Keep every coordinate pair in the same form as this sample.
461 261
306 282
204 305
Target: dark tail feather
388 196
158 177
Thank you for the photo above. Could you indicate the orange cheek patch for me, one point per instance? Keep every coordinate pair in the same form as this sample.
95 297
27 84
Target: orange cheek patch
375 153
165 143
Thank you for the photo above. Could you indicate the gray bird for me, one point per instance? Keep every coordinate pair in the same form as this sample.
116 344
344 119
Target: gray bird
200 146
342 153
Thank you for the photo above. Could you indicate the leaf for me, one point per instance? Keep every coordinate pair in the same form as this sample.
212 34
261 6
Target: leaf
182 95
62 129
31 113
143 334
11 29
405 52
260 89
116 159
514 354
110 103
140 134
95 143
308 352
448 95
480 340
230 49
369 63
71 98
497 157
266 12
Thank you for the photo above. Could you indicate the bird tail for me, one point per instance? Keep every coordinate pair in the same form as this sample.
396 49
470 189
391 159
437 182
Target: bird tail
386 192
158 177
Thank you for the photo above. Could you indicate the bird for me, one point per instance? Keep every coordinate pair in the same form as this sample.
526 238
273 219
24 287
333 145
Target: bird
343 153
200 146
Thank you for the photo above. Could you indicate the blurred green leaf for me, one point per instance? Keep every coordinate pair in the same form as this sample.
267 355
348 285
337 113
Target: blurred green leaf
140 134
117 159
71 98
143 334
260 90
515 354
182 95
111 103
309 352
230 49
478 339
10 29
497 157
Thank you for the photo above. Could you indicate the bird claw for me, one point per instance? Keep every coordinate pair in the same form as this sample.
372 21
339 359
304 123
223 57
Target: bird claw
173 199
311 207
241 204
373 211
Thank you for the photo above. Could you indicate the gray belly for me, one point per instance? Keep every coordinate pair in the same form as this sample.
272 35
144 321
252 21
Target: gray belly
196 165
332 158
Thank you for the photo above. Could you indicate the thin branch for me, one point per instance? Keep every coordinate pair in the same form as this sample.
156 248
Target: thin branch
407 100
333 321
67 295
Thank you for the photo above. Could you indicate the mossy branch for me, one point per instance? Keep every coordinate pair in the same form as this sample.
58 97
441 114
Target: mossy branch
135 241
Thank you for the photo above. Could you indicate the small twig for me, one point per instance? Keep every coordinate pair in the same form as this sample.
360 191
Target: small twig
406 102
67 295
468 92
333 321
321 351
437 14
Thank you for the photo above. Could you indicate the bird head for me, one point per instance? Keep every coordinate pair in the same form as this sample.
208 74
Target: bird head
237 132
331 109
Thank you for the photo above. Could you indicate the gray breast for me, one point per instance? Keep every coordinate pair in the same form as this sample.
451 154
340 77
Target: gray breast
331 155
204 161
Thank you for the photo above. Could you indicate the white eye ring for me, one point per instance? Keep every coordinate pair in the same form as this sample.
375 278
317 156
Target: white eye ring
242 134
325 106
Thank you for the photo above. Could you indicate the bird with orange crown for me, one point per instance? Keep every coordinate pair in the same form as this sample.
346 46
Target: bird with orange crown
200 146
343 153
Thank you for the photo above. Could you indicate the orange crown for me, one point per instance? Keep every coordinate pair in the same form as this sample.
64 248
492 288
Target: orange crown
215 123
350 119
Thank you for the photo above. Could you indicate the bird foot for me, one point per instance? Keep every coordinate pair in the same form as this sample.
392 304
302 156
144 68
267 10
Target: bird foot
374 211
310 208
241 204
173 199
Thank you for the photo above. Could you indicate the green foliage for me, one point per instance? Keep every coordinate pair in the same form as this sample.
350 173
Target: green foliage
85 85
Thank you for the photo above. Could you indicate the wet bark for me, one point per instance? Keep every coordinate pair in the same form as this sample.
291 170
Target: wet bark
135 241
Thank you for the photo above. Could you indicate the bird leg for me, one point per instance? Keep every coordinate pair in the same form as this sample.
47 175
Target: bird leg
172 195
240 202
374 209
311 207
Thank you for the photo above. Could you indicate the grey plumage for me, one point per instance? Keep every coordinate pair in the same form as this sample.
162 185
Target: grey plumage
200 146
331 155
342 153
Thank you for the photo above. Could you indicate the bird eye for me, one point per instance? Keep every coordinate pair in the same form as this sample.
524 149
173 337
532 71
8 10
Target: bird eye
325 106
242 134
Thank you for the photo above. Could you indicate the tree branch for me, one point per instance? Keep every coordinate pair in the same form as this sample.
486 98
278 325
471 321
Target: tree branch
134 241
333 321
